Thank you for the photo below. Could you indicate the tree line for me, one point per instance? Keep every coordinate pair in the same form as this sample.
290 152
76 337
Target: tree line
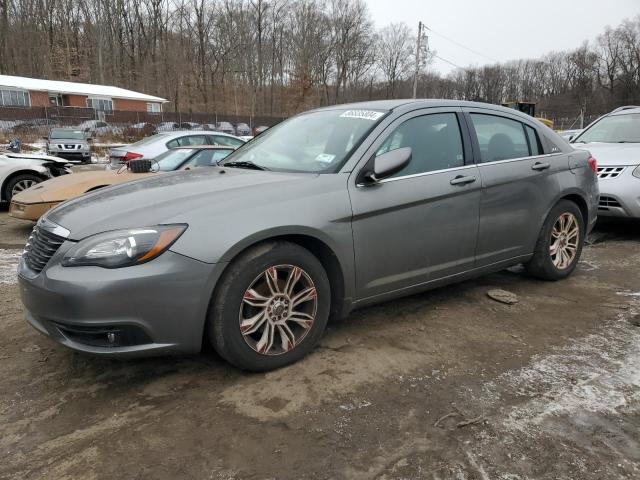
278 57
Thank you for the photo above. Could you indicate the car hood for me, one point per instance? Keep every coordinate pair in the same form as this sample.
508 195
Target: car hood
42 158
66 187
612 154
173 197
67 140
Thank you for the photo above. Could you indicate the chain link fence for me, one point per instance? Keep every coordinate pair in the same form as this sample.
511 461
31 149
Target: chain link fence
32 123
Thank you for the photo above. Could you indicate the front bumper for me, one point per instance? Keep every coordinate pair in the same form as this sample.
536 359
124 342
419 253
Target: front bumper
159 307
71 155
620 196
30 211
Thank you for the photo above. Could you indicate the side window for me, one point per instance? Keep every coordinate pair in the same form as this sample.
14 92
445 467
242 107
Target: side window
535 147
226 141
193 140
435 141
188 141
202 159
499 138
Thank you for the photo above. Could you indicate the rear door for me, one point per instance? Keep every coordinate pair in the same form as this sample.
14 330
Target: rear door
420 224
518 182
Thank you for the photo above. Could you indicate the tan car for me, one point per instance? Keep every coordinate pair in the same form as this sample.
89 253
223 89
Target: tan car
34 202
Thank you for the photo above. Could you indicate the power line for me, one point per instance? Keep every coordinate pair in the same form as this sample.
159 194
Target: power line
450 63
461 45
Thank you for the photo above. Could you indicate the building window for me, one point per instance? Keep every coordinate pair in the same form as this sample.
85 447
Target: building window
154 108
100 104
14 98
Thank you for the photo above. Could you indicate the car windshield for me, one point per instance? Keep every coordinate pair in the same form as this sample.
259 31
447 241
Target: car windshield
623 128
148 140
75 134
315 142
169 161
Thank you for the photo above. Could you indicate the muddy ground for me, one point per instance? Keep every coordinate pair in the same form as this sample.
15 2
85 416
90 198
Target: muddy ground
444 385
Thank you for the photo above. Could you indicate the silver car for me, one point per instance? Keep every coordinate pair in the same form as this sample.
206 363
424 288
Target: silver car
331 210
150 147
614 140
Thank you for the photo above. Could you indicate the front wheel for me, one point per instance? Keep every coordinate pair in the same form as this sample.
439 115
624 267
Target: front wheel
559 244
270 308
20 183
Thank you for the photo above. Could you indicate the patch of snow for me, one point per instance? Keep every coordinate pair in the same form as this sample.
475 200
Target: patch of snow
595 374
9 266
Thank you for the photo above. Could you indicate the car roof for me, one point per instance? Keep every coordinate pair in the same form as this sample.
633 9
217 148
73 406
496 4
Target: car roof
631 109
413 103
204 147
179 133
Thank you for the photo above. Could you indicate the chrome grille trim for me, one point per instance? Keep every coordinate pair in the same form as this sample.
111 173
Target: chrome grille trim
610 172
43 243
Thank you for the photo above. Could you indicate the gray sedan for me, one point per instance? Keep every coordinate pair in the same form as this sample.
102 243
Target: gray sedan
331 210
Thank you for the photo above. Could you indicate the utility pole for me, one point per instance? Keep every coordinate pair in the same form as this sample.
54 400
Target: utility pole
415 75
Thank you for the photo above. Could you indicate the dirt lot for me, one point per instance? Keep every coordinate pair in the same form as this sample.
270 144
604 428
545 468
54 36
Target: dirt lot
444 385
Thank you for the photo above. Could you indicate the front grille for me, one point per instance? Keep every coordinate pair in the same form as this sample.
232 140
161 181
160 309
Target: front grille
40 248
609 172
608 202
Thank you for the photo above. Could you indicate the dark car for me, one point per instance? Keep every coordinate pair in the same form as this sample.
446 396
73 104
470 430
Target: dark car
331 210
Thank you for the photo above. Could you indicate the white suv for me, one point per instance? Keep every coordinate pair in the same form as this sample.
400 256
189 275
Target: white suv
614 140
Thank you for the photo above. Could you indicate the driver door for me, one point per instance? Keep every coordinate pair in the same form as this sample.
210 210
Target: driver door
421 224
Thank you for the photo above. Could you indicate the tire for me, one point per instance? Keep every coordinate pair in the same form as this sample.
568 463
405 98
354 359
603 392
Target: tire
548 263
19 183
245 305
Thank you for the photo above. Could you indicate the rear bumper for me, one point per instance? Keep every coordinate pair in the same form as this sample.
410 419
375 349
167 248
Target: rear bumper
30 211
159 307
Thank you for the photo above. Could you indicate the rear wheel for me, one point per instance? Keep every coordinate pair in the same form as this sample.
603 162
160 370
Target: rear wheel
270 308
559 244
20 183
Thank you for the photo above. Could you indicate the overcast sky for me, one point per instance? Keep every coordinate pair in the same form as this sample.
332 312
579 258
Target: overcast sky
503 29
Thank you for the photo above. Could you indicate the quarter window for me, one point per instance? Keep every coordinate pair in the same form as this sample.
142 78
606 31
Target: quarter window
435 141
500 138
535 147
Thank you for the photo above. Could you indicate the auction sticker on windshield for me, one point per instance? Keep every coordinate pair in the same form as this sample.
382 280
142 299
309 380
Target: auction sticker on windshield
363 114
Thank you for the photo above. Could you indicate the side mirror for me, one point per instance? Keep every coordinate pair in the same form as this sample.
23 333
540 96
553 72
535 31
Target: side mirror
387 164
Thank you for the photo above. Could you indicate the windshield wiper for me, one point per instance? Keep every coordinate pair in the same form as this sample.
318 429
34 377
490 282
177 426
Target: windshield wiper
244 164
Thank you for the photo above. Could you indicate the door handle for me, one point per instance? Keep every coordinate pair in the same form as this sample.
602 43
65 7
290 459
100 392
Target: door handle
540 166
462 180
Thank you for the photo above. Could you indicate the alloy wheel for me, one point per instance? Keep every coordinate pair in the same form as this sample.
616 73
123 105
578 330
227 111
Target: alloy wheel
565 238
278 309
22 185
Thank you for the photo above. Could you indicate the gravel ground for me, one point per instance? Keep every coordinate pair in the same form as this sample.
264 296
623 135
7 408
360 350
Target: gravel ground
449 384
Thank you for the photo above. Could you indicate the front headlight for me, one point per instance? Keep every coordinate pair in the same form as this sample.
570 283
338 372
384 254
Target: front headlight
636 172
123 248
